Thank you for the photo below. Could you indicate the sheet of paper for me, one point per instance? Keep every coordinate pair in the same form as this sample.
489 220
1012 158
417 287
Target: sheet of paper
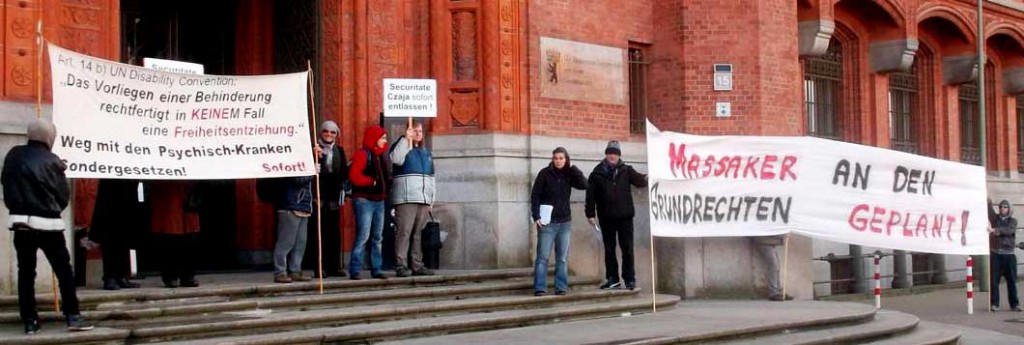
545 214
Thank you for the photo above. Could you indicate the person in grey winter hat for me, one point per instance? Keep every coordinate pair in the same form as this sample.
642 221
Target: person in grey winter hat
610 205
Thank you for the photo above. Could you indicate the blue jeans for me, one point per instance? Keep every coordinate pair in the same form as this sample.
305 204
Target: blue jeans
369 220
556 234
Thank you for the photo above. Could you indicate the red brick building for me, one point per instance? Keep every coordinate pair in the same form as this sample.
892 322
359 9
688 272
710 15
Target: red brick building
888 73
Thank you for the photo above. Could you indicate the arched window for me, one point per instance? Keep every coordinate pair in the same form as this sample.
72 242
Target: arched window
970 145
904 110
1020 134
823 77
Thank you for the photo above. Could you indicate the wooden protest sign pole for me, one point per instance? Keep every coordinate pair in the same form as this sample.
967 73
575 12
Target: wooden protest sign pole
654 279
785 264
39 115
316 179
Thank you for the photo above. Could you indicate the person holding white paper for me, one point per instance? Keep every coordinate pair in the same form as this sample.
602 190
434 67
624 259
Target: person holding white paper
551 190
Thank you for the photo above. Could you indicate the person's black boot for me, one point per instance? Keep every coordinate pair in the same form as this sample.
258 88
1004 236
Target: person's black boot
124 283
77 324
111 284
32 327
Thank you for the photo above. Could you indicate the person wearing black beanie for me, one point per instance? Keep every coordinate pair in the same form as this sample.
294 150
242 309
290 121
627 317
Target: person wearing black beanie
610 205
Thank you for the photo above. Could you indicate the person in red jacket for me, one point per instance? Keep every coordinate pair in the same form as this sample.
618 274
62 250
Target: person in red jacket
370 176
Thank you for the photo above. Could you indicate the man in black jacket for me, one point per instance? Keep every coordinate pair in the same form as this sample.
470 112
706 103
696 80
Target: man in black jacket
610 197
552 189
35 192
1002 235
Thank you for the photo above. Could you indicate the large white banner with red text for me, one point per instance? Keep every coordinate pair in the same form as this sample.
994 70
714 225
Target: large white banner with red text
120 121
707 186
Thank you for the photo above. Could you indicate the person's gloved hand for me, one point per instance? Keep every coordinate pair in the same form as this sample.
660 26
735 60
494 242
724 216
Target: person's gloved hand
1020 245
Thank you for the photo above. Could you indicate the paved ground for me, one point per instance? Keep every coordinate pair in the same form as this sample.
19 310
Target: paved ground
950 307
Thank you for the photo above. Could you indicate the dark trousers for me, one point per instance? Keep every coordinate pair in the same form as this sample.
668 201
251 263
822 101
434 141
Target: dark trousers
177 256
26 244
331 245
1004 265
116 261
618 231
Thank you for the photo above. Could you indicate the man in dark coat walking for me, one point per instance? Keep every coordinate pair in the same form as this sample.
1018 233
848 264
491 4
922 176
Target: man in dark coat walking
610 200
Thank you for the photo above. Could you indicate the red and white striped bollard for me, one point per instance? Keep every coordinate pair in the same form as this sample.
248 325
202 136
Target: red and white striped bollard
878 282
970 286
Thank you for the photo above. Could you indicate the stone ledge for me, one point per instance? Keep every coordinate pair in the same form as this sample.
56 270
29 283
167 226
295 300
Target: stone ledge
1009 4
925 333
885 323
688 322
446 324
51 335
368 312
296 301
257 289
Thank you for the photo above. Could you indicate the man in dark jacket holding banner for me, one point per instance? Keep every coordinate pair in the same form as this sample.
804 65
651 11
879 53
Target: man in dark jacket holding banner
412 193
1002 235
36 191
610 198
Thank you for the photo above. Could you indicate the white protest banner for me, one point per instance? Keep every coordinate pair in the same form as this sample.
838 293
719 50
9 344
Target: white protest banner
121 121
707 186
410 98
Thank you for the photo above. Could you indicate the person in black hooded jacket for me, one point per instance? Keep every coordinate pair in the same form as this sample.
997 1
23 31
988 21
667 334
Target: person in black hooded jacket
35 191
610 196
1002 235
553 187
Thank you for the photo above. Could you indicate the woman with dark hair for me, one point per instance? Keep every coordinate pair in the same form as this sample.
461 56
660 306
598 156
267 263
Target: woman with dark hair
551 191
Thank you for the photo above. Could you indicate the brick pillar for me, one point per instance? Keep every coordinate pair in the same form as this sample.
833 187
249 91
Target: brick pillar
760 40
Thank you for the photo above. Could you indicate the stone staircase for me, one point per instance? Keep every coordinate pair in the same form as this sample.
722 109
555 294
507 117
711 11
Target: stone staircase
727 322
347 311
457 307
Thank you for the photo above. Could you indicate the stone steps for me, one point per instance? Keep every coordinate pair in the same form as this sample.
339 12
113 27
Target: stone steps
884 324
331 317
90 298
926 333
726 322
263 310
331 298
444 324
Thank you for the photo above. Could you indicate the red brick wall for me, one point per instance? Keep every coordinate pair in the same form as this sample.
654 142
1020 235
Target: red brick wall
604 22
760 40
687 38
